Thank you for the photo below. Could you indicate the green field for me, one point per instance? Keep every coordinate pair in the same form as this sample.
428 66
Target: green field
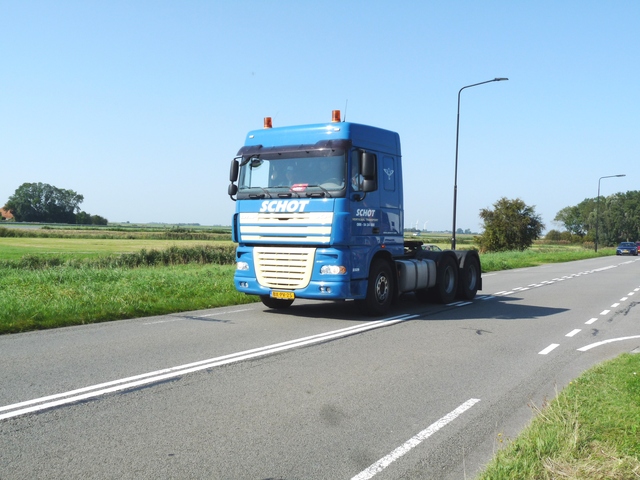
15 248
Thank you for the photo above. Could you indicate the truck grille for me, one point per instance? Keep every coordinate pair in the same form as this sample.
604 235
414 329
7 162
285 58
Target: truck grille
306 227
283 267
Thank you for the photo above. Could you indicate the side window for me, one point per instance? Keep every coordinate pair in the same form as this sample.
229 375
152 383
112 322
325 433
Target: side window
388 174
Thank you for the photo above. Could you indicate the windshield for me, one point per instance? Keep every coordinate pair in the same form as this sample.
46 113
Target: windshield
309 173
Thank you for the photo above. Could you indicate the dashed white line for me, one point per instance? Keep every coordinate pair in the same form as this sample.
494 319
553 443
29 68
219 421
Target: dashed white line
573 332
605 312
549 349
414 441
590 321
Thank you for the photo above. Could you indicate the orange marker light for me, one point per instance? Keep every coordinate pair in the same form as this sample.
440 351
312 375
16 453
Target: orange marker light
335 116
267 122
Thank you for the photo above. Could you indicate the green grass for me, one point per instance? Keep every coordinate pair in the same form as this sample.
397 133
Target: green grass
591 430
492 262
69 295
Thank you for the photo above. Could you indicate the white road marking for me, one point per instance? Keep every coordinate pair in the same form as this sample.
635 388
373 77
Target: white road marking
549 349
615 305
414 441
459 304
590 321
597 344
73 396
605 312
573 332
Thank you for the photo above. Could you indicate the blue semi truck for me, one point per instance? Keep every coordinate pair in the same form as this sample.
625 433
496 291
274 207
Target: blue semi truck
319 215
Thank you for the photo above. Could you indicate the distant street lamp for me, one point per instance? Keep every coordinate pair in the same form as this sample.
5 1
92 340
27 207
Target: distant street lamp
455 178
598 203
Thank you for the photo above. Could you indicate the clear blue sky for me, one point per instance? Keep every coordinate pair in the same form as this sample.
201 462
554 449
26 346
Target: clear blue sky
140 105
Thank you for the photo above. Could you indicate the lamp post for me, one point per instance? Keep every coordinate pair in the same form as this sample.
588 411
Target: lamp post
598 204
455 178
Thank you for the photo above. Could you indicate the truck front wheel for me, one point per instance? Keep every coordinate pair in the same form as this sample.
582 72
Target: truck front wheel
380 288
276 303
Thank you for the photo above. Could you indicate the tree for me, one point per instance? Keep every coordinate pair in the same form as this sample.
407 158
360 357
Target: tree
579 219
98 220
618 218
41 202
84 218
512 225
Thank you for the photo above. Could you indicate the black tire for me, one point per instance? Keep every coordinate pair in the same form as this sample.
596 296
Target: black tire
277 303
469 278
446 279
380 289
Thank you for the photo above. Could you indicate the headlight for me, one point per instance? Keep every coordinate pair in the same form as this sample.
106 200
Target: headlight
333 270
242 266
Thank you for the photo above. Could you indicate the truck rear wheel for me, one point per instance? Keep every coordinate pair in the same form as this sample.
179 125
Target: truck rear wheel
276 303
446 279
380 288
469 278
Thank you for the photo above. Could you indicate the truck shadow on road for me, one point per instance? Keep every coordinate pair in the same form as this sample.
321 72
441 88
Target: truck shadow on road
496 308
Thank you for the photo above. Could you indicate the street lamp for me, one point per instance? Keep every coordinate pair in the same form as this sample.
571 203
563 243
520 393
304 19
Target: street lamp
455 178
598 203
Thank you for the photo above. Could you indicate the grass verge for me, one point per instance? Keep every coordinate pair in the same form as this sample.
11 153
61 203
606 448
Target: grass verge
591 430
66 295
492 262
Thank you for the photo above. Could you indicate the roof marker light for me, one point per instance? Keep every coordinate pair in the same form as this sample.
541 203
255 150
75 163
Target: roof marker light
267 122
335 116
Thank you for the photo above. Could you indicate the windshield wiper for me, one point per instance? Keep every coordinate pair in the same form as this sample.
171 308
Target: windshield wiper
324 192
260 195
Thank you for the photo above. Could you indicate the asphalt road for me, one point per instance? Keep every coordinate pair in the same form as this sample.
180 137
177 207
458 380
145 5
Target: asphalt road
316 392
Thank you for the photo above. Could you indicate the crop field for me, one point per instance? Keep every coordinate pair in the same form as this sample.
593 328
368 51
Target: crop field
15 248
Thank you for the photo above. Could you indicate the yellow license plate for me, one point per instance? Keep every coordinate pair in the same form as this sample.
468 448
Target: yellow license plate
283 295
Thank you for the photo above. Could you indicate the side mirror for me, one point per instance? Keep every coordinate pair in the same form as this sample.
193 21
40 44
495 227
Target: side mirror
233 177
368 185
233 172
368 163
368 167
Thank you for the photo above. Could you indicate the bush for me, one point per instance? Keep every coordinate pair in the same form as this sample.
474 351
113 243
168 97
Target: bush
203 254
